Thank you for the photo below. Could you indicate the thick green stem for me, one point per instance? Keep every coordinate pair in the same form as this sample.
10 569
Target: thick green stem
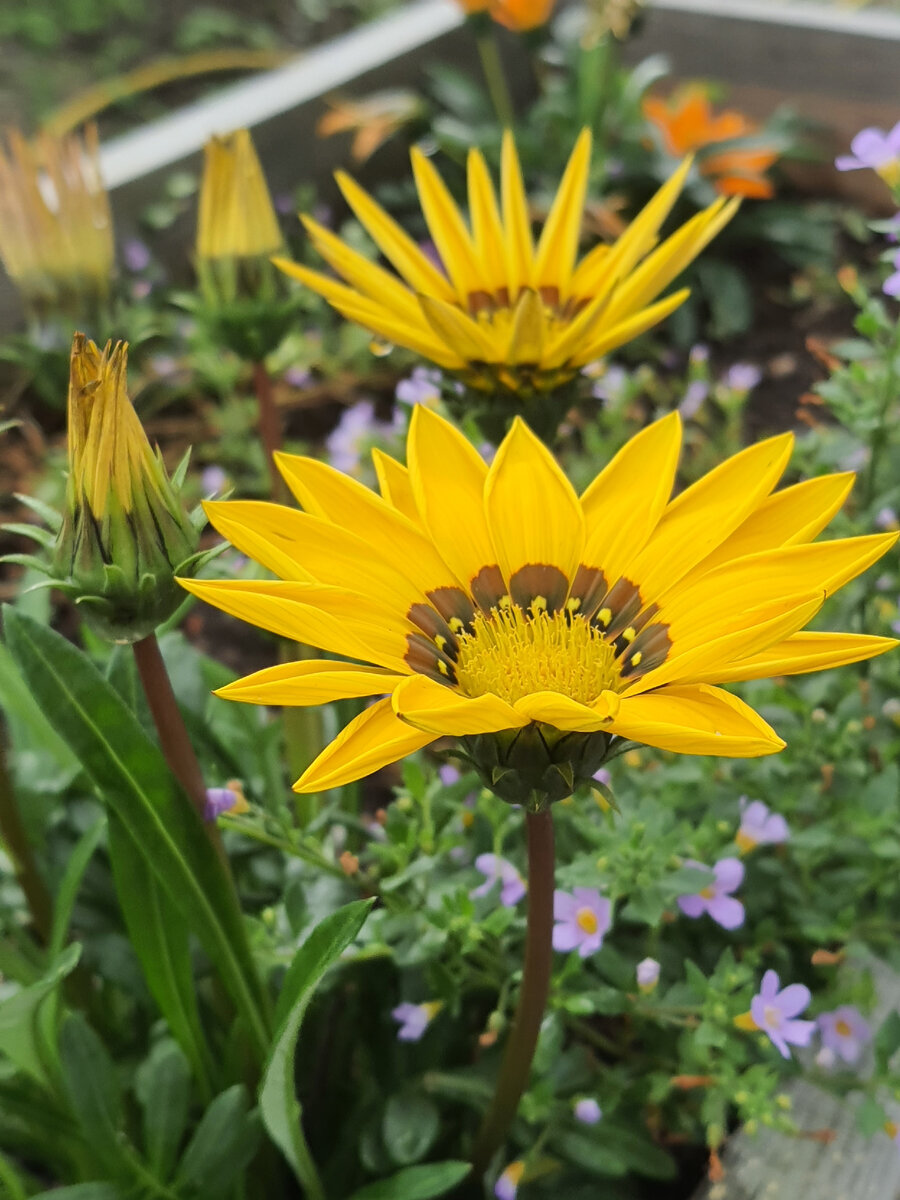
516 1067
495 78
14 838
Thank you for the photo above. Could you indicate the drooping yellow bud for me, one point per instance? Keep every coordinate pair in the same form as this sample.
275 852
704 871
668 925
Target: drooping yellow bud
56 235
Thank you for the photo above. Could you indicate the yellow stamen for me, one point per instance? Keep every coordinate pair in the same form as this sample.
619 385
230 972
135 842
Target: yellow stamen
514 654
842 1028
586 919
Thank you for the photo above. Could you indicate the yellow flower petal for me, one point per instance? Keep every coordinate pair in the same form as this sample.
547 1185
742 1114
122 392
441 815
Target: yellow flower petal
552 708
801 653
448 475
309 682
558 245
487 228
629 329
456 329
532 510
624 503
528 332
695 719
361 273
394 484
431 706
516 220
372 740
447 228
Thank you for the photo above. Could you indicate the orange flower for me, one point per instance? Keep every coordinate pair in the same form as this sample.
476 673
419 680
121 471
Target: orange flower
687 124
521 15
371 121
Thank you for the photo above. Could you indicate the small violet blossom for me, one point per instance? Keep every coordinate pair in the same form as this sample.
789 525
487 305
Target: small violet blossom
694 395
422 387
742 377
886 518
213 479
875 150
136 255
220 800
508 1182
773 1011
891 286
494 869
716 899
582 918
845 1032
760 826
587 1111
699 354
647 975
298 377
357 426
603 777
414 1019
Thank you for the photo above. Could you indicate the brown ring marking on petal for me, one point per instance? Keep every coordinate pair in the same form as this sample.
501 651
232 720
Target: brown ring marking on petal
435 627
502 297
540 587
549 293
454 606
488 588
480 301
647 651
588 588
423 657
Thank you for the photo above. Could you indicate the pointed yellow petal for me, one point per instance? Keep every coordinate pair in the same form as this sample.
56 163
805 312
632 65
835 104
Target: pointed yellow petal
526 339
394 484
397 246
428 705
487 229
372 740
448 476
447 228
532 511
456 330
695 719
626 500
327 618
256 540
558 245
804 652
519 246
627 330
304 683
582 331
706 513
367 277
552 708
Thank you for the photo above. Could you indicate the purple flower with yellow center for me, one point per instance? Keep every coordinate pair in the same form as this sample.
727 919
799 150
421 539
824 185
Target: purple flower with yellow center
773 1011
508 1182
226 799
496 869
875 150
582 918
716 898
647 975
414 1019
760 826
845 1032
587 1111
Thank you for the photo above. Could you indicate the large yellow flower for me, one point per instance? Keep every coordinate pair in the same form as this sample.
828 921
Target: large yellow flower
505 311
496 605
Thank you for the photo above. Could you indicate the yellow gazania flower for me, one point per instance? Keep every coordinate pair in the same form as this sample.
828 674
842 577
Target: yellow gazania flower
505 311
56 235
236 217
497 606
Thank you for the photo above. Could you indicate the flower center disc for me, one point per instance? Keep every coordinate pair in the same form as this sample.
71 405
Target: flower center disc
772 1016
586 919
842 1028
513 654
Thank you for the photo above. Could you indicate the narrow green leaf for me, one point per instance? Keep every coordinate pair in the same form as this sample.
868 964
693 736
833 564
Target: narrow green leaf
66 893
416 1183
134 780
99 1190
26 720
92 1085
222 1147
280 1108
163 1086
159 934
19 1029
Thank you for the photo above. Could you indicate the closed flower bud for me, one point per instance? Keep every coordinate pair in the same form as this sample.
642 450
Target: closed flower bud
125 534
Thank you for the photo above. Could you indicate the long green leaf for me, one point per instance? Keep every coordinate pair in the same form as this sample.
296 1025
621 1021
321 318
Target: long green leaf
221 1149
159 934
416 1183
280 1108
92 1084
19 1019
163 1086
133 779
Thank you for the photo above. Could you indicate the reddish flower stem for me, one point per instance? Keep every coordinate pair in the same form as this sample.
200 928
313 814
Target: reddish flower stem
269 423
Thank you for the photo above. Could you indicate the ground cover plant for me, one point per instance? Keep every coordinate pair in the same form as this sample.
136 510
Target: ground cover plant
491 787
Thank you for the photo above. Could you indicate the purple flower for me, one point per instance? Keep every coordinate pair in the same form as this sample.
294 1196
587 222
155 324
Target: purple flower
494 869
582 918
220 800
298 377
422 387
694 395
773 1010
213 479
873 149
587 1111
716 899
760 826
357 427
448 774
508 1182
414 1019
845 1032
603 777
742 377
135 255
699 354
611 384
886 518
647 975
891 286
